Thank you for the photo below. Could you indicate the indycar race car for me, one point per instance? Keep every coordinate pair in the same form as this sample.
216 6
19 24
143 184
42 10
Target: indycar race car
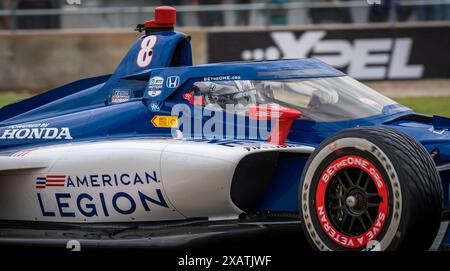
164 146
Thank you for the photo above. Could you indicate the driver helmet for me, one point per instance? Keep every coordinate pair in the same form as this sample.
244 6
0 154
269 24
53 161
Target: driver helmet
238 93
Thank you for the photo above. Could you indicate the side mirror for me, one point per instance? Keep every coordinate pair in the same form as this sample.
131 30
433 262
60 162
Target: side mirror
283 115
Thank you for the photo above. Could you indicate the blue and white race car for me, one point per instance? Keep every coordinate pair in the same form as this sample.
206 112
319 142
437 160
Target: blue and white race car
166 144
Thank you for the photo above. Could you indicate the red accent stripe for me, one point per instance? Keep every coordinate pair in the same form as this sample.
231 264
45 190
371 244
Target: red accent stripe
40 186
50 184
55 181
56 176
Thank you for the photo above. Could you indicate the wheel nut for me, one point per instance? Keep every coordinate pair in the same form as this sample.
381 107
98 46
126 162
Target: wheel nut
351 201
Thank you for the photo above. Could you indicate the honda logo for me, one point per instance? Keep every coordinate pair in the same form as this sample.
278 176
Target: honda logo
173 81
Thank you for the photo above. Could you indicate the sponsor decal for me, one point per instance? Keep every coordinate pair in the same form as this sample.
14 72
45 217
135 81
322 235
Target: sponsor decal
156 81
165 121
120 96
245 144
154 93
154 107
50 181
374 230
269 147
155 86
36 131
222 78
76 195
384 54
173 81
358 55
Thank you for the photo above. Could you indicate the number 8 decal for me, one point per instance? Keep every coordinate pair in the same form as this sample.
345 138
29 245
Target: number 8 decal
145 55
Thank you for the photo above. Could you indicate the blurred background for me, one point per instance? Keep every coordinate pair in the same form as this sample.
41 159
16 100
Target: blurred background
398 47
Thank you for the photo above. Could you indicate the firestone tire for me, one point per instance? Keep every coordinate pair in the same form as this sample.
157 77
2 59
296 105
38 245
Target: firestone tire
370 188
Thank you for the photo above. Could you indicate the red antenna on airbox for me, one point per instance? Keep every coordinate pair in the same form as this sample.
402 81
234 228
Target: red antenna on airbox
165 18
284 117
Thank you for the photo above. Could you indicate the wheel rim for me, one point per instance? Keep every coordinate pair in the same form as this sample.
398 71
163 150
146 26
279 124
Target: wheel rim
352 201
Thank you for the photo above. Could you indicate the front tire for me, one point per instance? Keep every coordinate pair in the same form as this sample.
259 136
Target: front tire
370 188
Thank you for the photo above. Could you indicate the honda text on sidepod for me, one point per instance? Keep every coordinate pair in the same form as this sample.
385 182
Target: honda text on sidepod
352 166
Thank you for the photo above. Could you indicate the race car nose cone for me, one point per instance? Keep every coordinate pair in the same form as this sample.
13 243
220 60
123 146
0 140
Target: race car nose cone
351 201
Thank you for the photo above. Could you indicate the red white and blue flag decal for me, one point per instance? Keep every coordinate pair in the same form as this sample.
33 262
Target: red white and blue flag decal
50 181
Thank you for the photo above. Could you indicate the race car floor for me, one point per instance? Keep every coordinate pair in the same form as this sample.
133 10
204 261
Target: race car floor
197 234
237 235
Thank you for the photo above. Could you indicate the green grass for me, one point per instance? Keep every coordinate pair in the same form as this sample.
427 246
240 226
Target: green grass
9 97
426 105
